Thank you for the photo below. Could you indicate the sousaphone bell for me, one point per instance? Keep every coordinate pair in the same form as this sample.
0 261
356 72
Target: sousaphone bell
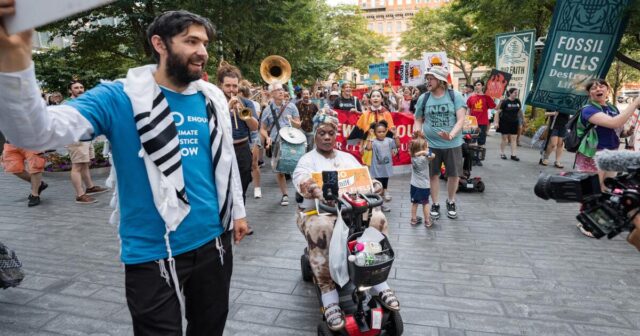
275 69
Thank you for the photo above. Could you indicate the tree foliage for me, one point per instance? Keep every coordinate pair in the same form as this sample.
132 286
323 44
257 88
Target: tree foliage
441 30
315 38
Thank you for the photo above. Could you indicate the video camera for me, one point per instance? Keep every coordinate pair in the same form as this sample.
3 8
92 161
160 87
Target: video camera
603 213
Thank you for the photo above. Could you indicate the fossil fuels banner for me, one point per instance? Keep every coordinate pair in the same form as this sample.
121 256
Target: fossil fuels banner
514 55
582 40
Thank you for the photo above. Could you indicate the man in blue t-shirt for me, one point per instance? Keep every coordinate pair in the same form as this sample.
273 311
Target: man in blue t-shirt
179 192
440 119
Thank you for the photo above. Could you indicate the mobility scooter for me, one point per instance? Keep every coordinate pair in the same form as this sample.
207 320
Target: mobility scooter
365 315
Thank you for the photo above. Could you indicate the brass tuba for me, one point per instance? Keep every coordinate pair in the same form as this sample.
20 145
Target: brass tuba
275 69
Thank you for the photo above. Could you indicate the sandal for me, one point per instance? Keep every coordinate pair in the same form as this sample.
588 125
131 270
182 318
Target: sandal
428 223
543 162
389 300
557 165
502 156
415 221
584 231
334 317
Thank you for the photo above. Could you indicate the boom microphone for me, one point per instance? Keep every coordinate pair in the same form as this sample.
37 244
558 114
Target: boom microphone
618 160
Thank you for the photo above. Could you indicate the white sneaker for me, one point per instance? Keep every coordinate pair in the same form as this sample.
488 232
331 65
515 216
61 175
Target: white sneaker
257 193
285 200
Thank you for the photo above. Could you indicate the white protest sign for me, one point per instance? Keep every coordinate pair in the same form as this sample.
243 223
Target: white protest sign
35 13
436 59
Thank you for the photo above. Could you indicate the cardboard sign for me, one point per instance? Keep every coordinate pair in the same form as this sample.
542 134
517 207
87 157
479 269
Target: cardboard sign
350 180
497 83
412 73
395 70
35 13
378 71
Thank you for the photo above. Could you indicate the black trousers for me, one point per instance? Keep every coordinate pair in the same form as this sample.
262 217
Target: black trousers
244 158
154 306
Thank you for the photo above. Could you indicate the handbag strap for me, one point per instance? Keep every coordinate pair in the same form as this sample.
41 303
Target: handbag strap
276 119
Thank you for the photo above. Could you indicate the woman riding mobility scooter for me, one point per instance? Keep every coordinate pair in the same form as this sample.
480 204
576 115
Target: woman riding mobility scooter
363 304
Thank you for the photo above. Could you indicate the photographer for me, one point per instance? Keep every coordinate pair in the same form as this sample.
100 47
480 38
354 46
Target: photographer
604 135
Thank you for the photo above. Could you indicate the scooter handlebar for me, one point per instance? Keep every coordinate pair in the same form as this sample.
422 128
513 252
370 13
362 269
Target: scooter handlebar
373 199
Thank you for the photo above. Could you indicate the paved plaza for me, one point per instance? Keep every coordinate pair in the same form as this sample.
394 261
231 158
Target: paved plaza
511 264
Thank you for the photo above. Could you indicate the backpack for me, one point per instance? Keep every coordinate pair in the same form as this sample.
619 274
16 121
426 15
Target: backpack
428 95
10 268
575 135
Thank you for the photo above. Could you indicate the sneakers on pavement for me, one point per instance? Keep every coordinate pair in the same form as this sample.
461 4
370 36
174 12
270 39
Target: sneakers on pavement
387 198
285 200
33 200
435 211
451 210
85 199
257 193
96 190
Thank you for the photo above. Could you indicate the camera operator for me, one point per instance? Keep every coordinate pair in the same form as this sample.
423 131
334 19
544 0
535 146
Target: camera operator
608 121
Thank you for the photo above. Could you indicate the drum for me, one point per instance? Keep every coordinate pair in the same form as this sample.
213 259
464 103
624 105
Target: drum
292 145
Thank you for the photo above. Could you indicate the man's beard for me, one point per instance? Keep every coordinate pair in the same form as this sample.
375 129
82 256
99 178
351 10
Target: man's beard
178 70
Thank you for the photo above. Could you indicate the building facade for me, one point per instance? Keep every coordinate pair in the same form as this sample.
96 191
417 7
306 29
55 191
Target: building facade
392 17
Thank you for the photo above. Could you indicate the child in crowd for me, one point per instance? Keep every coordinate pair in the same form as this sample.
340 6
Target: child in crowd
420 186
383 149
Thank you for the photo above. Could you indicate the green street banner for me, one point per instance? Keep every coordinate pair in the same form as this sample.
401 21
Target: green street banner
583 38
514 55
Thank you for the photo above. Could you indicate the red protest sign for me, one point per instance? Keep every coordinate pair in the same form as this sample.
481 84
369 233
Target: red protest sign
404 129
395 73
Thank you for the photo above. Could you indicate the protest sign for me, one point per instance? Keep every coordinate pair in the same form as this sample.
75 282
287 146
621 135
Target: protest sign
349 180
395 69
412 73
379 71
404 129
35 13
582 40
515 55
435 58
497 83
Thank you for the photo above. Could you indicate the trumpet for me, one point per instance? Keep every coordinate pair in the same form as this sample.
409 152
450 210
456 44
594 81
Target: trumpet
240 109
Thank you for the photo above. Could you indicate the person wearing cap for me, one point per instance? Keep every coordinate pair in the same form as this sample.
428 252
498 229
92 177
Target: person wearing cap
318 229
333 96
439 117
277 114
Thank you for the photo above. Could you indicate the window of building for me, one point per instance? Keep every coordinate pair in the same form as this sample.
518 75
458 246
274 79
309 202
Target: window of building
399 27
370 26
389 27
380 27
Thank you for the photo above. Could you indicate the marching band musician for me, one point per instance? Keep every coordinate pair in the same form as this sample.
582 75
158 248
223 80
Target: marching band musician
229 77
276 115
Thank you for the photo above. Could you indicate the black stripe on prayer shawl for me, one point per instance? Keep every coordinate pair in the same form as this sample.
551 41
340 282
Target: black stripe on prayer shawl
159 98
153 123
182 194
167 156
159 141
141 116
173 168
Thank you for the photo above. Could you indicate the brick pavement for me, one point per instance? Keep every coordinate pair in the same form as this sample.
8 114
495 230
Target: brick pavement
510 264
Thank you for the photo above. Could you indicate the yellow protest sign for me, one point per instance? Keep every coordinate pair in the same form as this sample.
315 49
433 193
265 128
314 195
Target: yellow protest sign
350 180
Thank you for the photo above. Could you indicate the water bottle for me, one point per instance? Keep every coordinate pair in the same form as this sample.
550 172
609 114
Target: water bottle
361 259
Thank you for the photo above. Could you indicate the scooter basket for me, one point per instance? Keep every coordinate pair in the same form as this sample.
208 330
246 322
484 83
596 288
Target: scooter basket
370 275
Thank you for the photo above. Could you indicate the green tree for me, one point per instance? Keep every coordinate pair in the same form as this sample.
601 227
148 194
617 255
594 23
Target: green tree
315 38
441 30
352 44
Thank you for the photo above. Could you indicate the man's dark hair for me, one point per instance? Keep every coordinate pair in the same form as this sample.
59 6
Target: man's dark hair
478 81
510 91
227 70
172 23
75 81
469 86
421 88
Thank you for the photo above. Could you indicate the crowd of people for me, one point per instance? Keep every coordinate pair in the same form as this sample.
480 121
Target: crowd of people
181 195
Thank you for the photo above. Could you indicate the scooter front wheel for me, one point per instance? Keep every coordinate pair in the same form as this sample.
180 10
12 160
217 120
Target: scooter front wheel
395 326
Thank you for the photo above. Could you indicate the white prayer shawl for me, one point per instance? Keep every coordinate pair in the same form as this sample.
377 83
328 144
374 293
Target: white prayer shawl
162 157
